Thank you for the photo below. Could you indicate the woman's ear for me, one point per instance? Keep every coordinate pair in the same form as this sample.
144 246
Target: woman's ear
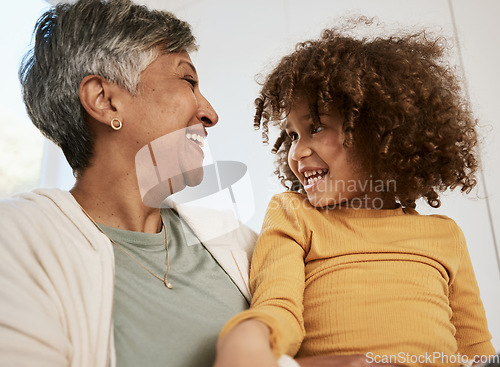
100 98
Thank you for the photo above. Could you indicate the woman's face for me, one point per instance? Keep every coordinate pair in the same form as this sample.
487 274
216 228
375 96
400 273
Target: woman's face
168 117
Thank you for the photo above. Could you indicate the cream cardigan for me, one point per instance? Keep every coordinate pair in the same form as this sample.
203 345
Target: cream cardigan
57 274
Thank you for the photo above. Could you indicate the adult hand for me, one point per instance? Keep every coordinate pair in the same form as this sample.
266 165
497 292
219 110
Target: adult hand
357 360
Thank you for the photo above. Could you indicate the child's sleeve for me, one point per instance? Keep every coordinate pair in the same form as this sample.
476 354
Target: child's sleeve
468 317
277 276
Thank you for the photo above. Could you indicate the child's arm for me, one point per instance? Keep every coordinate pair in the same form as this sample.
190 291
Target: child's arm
468 317
277 279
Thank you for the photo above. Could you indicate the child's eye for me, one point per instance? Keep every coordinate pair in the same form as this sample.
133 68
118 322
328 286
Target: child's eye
317 129
293 136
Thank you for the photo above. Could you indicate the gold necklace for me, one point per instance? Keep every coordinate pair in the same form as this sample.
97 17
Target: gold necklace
164 280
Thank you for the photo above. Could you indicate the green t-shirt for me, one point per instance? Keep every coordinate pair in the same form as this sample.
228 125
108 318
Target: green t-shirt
157 326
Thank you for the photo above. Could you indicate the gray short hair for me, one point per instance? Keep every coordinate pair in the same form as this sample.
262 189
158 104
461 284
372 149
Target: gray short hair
115 39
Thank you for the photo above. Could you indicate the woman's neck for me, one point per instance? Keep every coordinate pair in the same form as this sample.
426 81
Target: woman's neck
114 200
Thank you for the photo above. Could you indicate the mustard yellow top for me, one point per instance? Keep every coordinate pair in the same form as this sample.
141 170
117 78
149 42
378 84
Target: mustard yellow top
376 282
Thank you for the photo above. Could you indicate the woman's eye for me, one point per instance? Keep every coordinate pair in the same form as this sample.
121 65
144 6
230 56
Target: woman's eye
191 81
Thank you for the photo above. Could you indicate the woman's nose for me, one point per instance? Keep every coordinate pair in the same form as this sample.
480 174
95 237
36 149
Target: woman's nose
206 113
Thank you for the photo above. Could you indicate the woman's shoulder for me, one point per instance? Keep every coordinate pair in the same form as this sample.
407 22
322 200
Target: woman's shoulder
48 221
36 203
28 214
40 213
28 221
21 204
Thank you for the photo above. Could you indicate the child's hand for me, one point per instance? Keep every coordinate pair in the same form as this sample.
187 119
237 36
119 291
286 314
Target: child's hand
247 345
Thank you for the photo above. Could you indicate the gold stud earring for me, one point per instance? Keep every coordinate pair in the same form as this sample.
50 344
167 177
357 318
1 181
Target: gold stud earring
114 126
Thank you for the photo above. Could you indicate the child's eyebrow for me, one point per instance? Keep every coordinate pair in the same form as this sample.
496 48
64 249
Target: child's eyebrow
305 117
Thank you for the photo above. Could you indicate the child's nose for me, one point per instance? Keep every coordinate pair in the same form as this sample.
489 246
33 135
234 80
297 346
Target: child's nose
300 150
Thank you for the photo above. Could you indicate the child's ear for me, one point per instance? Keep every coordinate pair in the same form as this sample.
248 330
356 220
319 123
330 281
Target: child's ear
100 98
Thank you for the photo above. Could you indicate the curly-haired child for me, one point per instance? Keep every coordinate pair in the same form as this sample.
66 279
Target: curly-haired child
345 264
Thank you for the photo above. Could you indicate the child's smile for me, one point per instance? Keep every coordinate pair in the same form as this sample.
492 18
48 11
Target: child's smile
313 176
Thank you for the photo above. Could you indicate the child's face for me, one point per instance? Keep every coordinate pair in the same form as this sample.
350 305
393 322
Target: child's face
318 158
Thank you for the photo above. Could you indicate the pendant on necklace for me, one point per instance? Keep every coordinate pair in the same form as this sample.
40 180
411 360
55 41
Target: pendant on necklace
169 285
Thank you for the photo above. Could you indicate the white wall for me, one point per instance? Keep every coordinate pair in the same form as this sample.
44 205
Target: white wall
241 39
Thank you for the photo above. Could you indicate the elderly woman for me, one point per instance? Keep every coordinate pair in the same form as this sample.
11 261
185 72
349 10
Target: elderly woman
100 275
93 271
